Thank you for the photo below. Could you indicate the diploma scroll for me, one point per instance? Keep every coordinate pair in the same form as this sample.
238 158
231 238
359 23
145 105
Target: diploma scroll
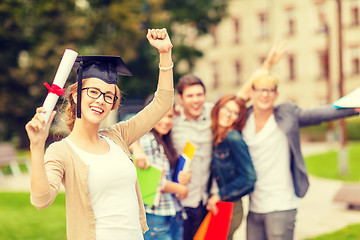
61 76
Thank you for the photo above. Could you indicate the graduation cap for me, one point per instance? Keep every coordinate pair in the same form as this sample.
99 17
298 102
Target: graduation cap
106 68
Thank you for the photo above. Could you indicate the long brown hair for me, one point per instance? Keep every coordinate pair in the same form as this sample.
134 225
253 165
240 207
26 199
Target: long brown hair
169 149
220 134
71 105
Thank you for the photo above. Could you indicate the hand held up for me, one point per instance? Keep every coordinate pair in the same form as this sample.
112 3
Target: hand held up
36 128
275 55
159 38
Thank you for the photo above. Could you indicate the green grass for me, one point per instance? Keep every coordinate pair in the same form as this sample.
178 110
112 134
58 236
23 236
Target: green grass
23 158
318 132
19 220
326 165
351 232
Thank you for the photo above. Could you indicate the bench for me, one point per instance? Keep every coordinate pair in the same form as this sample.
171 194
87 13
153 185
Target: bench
8 158
350 195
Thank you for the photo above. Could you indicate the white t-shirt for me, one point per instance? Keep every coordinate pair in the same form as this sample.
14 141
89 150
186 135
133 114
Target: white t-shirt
111 185
270 153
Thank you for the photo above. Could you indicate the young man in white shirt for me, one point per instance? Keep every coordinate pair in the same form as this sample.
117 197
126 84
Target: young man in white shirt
272 135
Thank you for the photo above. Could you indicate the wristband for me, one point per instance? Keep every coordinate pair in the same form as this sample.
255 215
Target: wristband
166 68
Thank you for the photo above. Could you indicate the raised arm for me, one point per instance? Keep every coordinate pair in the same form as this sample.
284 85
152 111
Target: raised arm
134 128
274 56
276 53
153 112
160 39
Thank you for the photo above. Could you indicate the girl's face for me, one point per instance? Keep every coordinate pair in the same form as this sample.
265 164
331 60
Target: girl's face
165 124
228 114
96 98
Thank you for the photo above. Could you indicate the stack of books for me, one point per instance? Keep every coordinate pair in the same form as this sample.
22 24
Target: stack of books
184 160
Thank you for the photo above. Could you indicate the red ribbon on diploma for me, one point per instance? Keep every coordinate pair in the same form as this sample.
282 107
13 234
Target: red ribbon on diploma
55 89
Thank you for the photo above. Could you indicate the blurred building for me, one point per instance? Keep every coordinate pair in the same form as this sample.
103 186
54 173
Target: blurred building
309 73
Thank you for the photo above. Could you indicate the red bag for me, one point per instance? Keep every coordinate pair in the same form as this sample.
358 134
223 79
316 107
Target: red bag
216 227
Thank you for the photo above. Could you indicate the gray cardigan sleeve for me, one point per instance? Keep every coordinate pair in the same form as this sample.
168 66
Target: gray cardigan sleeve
131 130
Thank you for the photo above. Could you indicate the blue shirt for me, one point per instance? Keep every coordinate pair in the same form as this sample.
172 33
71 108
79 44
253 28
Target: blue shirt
232 168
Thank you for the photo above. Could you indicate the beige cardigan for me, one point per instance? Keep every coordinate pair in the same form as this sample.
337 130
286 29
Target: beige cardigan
64 166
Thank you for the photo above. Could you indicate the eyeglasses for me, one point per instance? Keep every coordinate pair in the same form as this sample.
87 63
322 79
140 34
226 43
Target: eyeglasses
233 114
265 90
95 93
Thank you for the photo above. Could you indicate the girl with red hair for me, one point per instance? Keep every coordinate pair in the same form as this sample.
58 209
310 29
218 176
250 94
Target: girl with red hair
231 165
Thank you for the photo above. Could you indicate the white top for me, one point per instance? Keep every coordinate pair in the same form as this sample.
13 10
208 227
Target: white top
111 185
270 153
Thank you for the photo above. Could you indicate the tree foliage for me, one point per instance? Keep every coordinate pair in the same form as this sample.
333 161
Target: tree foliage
33 36
197 16
199 13
35 33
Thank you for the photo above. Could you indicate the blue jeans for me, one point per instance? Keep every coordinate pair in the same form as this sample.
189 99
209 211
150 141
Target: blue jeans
164 227
278 225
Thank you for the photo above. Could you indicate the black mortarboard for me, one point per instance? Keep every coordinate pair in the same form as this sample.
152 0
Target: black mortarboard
105 68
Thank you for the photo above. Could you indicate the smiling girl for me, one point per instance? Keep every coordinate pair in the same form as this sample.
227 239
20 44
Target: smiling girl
103 199
231 165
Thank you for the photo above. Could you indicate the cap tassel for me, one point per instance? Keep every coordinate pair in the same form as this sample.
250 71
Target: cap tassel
79 90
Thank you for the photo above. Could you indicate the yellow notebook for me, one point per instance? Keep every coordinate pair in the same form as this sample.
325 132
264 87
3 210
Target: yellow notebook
184 159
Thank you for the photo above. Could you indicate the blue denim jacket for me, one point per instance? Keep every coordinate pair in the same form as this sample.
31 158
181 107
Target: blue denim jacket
232 168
